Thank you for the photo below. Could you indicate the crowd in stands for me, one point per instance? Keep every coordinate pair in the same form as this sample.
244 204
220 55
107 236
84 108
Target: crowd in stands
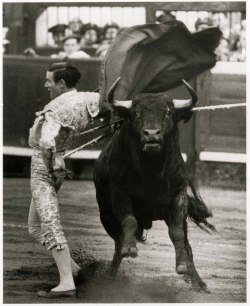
78 40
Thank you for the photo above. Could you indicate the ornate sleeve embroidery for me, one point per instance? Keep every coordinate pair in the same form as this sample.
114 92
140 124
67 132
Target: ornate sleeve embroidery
92 100
50 130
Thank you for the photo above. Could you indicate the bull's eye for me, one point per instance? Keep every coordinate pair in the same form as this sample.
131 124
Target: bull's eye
168 113
137 114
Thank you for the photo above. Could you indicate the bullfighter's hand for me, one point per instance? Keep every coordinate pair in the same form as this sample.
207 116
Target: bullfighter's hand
59 169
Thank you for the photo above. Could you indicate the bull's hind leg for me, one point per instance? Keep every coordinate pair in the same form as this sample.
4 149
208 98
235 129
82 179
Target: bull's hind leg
129 227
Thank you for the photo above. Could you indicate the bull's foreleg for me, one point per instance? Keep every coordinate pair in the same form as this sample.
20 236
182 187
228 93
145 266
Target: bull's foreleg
177 236
177 225
117 259
184 256
123 210
129 227
197 282
125 245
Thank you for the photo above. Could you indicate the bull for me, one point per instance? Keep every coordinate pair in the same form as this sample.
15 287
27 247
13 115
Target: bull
140 177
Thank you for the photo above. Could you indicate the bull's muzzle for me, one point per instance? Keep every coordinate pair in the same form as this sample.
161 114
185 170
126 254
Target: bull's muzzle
152 132
152 140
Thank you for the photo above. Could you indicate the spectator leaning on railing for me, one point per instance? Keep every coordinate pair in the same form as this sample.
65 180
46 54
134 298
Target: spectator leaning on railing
71 49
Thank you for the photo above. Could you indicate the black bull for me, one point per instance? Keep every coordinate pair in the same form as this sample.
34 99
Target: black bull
140 177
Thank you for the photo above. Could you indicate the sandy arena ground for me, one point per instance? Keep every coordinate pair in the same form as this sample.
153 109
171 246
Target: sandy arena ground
150 278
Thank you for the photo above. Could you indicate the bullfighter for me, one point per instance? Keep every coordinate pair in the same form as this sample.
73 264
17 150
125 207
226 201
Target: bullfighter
52 134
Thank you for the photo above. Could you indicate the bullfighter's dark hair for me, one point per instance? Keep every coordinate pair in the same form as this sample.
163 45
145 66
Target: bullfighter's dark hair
66 72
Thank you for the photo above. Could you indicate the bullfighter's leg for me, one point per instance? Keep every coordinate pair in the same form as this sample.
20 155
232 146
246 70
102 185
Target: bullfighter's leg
46 206
35 230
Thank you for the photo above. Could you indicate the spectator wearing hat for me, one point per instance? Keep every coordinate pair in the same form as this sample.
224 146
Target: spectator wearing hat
90 36
203 23
75 26
71 49
110 31
58 34
165 17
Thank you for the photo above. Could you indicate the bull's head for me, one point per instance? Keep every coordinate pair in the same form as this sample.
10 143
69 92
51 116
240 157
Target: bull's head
153 116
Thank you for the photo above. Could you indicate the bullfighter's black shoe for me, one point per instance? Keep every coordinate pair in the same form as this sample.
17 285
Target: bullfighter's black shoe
56 294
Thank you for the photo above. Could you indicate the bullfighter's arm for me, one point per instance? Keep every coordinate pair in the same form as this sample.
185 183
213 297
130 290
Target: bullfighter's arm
50 130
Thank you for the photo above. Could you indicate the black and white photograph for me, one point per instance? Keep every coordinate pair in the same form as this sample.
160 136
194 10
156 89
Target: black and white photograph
124 159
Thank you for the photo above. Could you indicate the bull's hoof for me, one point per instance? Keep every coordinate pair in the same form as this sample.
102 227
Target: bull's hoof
200 286
112 272
127 251
199 289
181 269
187 278
205 289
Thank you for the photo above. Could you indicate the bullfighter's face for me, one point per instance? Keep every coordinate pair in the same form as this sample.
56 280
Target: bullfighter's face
152 119
55 88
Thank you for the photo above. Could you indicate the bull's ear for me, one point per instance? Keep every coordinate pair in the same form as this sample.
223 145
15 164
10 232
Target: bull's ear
121 111
183 114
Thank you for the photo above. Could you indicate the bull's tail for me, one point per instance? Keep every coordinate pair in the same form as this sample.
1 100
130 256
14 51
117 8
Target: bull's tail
198 212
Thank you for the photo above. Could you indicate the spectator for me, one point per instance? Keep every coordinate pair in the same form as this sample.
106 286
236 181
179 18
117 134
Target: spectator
58 34
165 17
220 20
240 54
110 32
203 23
90 35
75 26
71 49
223 50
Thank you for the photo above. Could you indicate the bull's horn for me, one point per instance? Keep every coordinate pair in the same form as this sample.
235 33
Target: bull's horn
126 103
112 90
178 104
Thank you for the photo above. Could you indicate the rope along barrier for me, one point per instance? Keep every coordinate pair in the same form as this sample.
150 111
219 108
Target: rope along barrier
213 107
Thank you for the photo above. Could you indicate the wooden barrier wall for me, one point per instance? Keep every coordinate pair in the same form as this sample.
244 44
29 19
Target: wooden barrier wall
222 130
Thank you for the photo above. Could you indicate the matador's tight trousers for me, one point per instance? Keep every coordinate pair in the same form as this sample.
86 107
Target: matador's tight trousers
44 219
